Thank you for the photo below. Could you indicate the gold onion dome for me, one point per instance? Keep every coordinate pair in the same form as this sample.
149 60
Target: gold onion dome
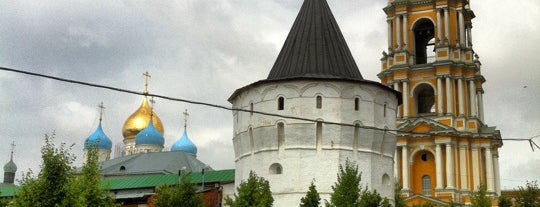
139 120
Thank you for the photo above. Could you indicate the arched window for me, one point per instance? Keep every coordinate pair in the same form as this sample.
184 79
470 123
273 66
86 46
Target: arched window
281 103
319 102
250 108
386 179
426 185
281 135
356 138
356 104
276 169
319 136
424 96
384 110
423 31
251 144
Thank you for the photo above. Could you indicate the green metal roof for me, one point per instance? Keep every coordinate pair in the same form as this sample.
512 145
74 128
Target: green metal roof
135 182
8 190
149 181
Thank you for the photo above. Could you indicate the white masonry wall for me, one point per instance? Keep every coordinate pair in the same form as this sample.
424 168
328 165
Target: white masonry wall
301 160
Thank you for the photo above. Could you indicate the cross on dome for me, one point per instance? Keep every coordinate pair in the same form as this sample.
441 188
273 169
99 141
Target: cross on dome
146 78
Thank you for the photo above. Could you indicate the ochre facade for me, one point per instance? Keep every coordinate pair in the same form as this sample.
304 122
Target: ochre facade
445 151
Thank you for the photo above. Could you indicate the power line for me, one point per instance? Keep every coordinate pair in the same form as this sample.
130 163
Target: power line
530 140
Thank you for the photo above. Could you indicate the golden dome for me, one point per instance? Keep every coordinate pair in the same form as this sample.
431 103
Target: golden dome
139 120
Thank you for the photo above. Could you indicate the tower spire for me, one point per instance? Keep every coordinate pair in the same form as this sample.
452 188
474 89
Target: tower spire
146 79
12 149
186 115
101 107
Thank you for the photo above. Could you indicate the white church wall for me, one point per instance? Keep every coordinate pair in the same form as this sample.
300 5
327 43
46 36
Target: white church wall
257 147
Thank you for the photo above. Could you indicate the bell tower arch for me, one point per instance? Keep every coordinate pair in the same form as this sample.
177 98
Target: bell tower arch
430 59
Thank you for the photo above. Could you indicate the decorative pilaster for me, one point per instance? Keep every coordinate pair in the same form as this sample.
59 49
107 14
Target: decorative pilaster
439 96
446 26
405 95
438 167
396 164
472 98
390 47
449 166
475 168
405 32
479 94
461 28
463 170
439 28
449 97
405 167
490 178
460 96
398 32
497 174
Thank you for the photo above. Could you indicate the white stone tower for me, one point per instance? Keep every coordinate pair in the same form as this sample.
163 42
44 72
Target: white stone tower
316 78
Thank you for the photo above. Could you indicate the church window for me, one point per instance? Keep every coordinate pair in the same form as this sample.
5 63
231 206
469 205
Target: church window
356 136
122 168
356 104
424 157
424 33
251 144
386 179
319 136
319 102
276 169
281 103
281 135
250 108
424 96
384 110
426 185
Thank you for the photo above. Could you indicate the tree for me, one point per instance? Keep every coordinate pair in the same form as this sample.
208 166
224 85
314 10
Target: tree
398 200
528 196
504 202
52 184
56 184
479 198
370 198
255 192
87 187
183 194
346 191
312 198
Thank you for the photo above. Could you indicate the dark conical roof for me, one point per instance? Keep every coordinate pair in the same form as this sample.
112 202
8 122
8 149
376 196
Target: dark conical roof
315 47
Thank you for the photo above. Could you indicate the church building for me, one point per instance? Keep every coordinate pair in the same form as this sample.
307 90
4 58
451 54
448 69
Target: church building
345 116
445 150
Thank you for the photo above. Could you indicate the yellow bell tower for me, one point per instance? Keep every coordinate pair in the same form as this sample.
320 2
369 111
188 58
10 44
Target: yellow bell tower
445 151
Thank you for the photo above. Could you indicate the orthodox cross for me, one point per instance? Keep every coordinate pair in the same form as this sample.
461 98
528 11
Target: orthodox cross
186 115
12 148
152 106
101 107
146 77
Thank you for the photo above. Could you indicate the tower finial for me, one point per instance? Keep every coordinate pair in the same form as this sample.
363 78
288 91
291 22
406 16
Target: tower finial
146 78
186 115
101 107
12 149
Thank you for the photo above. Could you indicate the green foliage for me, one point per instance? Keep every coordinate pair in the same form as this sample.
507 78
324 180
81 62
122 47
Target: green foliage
370 198
4 201
183 194
312 198
255 192
504 202
479 198
56 184
398 200
528 196
346 191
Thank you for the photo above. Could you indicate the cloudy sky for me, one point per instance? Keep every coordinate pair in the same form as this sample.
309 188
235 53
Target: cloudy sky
205 49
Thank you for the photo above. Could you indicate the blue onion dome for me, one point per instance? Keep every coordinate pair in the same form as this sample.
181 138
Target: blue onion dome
98 139
150 136
185 145
10 167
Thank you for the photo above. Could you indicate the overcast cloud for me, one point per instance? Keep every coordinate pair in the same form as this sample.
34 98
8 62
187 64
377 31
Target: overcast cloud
204 50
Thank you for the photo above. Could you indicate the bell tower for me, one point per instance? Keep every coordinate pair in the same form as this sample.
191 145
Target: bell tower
445 150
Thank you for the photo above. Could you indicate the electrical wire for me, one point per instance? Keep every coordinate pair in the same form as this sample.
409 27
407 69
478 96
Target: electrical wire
530 140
